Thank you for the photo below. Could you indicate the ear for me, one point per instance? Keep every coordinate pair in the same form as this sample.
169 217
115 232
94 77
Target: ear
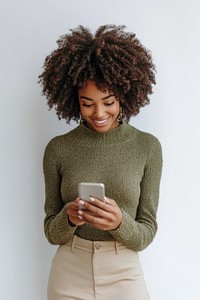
120 115
81 119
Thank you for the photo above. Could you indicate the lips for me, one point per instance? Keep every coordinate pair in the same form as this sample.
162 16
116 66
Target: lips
100 123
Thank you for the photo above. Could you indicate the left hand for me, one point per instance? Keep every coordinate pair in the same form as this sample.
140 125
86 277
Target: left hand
101 215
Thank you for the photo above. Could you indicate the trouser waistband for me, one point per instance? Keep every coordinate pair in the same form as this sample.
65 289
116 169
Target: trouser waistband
94 246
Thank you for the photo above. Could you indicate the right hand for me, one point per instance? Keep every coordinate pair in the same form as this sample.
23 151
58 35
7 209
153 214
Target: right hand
72 212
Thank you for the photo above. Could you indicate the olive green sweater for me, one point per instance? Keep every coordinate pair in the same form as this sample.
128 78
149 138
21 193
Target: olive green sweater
126 160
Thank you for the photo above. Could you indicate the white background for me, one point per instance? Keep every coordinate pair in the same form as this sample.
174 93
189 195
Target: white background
29 30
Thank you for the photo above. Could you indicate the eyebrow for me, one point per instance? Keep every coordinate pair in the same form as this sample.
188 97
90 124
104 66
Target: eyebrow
104 98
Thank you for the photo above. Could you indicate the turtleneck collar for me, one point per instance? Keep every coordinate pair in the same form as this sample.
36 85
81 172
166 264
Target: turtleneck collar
116 135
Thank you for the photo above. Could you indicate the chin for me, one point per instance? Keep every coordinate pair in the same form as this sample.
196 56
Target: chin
105 128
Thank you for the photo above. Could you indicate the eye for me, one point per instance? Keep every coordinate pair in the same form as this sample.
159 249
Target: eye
109 103
86 105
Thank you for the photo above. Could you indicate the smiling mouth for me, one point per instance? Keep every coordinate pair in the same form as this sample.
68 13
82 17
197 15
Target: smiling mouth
100 123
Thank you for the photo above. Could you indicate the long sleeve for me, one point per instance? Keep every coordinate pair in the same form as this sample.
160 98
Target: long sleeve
138 233
56 225
126 160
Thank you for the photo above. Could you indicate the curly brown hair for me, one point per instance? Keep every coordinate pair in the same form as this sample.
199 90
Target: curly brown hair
113 58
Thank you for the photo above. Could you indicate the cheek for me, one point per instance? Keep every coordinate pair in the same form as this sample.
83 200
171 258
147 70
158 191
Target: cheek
113 110
116 109
85 111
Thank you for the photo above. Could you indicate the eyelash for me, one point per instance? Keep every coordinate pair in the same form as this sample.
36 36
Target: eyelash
106 104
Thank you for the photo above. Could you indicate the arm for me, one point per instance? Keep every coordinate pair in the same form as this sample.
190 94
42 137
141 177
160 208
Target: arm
139 233
56 224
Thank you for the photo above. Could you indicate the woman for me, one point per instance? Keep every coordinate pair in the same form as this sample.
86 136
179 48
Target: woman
102 80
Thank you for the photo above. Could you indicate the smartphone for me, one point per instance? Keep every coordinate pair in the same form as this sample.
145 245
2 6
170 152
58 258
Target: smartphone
87 190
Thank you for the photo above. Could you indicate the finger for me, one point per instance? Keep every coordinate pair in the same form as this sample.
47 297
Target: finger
96 203
106 221
93 214
72 212
76 221
101 215
73 205
73 215
77 200
92 219
98 222
106 200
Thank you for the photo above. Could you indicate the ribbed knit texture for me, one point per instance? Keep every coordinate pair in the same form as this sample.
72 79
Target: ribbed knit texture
126 160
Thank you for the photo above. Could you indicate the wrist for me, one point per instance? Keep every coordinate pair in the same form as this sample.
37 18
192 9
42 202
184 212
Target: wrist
70 223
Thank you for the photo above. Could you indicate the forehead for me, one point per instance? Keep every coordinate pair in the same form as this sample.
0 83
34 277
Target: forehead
91 89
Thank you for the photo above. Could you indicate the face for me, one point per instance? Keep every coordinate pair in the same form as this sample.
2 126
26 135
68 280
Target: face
99 109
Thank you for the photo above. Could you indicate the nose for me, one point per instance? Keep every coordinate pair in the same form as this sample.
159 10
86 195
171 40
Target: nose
99 111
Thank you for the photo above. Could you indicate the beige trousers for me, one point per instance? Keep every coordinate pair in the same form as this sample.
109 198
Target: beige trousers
86 270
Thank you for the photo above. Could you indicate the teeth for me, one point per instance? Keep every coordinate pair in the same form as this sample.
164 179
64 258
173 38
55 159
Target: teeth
100 122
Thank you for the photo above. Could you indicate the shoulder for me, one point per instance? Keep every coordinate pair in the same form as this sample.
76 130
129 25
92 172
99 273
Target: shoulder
143 136
59 141
58 146
146 141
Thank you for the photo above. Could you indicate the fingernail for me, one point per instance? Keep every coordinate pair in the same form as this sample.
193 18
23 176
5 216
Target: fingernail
80 212
81 202
92 199
80 217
